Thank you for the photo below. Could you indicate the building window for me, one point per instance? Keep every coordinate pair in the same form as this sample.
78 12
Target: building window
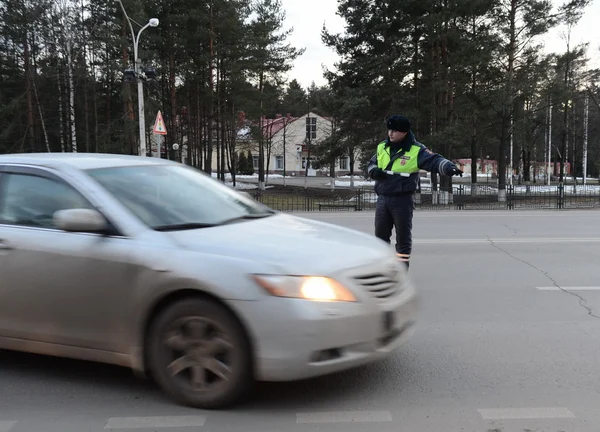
311 128
278 162
344 162
255 162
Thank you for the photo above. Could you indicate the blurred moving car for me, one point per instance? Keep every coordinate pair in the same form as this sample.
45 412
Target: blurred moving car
153 265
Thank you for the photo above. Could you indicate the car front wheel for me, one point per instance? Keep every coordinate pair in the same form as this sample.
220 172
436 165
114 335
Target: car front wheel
199 354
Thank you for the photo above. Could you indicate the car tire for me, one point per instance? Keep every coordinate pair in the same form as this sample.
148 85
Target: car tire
193 340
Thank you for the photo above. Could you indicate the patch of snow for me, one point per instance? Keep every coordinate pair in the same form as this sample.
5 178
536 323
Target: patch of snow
251 176
245 186
356 183
242 186
356 177
533 190
370 198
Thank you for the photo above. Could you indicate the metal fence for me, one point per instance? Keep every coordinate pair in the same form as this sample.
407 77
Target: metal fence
461 197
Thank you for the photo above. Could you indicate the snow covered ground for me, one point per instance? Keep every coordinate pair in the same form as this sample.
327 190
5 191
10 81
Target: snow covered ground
533 190
251 176
240 185
485 187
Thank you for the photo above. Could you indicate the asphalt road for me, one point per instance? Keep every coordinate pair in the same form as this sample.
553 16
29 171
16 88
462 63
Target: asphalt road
499 347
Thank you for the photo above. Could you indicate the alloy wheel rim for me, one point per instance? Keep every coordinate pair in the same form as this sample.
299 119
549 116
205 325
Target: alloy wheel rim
200 354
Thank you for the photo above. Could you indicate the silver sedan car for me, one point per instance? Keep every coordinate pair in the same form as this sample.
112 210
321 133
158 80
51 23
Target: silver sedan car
155 266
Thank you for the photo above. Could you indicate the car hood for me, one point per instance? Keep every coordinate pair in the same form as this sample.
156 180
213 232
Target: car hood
290 243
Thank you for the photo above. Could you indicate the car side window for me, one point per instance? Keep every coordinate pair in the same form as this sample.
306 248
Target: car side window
31 200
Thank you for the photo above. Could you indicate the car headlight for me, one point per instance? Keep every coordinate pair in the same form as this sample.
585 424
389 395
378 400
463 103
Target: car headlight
314 288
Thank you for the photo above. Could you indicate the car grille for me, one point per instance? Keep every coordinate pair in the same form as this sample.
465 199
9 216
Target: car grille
381 285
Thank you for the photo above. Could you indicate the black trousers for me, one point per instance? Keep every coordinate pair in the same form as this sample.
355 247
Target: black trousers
396 212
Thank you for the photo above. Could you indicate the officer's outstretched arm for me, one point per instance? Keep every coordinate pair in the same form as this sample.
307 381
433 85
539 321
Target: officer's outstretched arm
431 161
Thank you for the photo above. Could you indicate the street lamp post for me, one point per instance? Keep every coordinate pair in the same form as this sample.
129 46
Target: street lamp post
139 71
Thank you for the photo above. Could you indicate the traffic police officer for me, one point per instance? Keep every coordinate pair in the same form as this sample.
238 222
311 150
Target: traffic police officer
395 169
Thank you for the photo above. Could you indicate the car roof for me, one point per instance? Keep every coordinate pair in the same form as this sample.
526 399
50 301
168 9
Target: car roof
81 161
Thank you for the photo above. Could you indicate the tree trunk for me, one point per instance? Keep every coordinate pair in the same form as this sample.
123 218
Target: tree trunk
86 109
416 37
507 106
474 118
232 145
173 96
261 143
61 118
199 128
71 94
30 131
37 99
108 120
219 144
211 108
128 102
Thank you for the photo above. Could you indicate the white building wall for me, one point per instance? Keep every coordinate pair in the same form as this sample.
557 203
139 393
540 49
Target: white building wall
294 134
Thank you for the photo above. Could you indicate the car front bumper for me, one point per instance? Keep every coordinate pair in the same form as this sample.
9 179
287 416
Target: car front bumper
295 339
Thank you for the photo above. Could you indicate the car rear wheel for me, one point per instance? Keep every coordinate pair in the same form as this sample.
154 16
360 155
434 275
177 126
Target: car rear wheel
199 354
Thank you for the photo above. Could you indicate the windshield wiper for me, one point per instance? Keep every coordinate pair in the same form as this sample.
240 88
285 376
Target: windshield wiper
183 226
246 217
196 225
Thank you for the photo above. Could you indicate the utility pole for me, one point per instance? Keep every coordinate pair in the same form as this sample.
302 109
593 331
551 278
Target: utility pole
585 137
510 162
549 145
139 74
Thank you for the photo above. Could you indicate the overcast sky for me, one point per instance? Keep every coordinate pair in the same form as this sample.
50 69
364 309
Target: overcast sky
307 18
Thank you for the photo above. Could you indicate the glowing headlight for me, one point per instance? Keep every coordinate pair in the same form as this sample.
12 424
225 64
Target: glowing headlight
305 287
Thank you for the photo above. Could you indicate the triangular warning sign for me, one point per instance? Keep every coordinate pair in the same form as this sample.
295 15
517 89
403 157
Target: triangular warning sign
159 125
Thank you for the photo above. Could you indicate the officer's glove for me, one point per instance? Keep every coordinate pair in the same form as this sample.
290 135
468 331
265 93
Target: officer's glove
454 171
379 174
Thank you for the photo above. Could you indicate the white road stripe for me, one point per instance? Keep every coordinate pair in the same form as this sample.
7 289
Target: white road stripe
508 240
154 422
344 417
5 426
570 288
434 214
525 413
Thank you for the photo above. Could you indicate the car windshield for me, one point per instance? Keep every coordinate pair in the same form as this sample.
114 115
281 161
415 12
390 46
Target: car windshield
172 197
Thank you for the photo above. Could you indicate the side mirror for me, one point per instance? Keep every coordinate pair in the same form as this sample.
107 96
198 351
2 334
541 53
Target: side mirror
80 220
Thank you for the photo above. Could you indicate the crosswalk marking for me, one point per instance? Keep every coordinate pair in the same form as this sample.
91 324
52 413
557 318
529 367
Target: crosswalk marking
525 413
570 288
506 240
5 426
344 417
158 423
155 422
